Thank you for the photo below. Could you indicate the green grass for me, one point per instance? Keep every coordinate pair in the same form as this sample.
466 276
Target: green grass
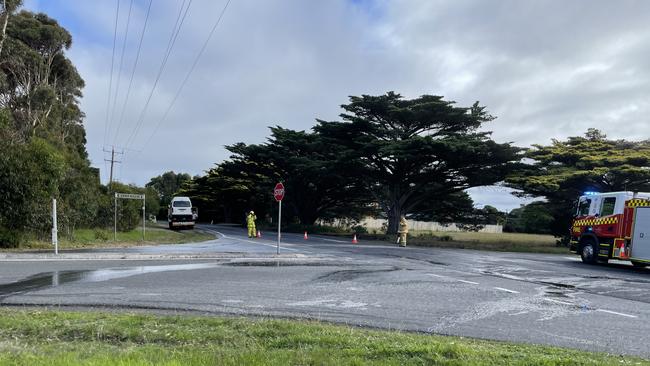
505 242
510 242
95 338
98 238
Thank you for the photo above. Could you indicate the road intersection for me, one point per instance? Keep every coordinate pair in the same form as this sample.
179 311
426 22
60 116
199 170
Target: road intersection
533 298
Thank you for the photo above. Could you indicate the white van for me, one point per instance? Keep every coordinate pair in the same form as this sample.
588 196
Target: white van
180 214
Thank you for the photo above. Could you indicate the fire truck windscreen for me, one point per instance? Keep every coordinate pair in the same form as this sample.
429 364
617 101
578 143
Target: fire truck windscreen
583 207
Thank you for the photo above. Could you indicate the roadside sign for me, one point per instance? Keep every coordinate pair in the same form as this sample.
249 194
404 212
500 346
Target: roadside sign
129 196
278 192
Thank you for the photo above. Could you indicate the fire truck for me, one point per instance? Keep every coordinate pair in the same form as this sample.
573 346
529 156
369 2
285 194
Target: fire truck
614 225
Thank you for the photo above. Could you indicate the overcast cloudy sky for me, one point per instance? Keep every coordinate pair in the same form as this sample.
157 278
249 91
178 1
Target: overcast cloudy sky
545 69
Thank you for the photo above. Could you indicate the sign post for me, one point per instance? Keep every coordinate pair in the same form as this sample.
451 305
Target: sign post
278 193
115 220
129 196
55 237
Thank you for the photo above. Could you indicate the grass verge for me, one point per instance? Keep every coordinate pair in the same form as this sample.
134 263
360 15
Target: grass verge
507 242
102 238
95 338
504 242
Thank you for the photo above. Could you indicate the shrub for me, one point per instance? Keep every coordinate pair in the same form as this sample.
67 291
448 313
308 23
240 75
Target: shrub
101 235
360 229
9 238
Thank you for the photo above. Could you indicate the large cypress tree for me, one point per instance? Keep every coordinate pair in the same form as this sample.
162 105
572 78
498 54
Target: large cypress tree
414 154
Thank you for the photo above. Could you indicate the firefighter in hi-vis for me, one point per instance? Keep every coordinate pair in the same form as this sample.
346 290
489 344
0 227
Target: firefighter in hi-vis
250 222
403 231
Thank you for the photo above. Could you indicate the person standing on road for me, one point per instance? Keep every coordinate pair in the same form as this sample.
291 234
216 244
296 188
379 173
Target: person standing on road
403 231
250 222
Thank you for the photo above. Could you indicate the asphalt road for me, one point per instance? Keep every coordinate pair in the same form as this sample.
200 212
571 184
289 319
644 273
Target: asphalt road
533 298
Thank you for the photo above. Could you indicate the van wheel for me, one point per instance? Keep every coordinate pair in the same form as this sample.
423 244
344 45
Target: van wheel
639 264
588 252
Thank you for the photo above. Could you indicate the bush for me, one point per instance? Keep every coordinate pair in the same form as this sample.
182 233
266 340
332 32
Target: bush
101 235
360 229
9 239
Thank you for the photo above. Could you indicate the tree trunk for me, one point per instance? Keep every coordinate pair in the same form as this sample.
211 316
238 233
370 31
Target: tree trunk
5 15
394 215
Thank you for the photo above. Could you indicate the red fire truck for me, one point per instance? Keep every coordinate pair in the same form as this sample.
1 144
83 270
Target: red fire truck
613 225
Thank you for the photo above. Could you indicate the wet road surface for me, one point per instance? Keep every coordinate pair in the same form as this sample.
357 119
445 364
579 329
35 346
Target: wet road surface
535 298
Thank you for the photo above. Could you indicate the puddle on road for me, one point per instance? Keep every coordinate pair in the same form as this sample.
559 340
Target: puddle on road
351 274
57 278
554 293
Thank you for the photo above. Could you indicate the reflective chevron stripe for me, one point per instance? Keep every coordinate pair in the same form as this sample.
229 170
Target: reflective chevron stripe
637 202
596 221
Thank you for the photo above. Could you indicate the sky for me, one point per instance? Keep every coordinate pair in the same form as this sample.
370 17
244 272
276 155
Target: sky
546 69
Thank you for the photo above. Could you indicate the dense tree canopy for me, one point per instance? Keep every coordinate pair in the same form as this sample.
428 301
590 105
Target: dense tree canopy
389 156
414 154
42 138
533 218
316 188
564 170
166 186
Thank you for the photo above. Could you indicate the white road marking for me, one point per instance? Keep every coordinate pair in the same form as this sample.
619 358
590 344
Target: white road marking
334 240
435 275
559 302
470 282
506 290
257 242
616 313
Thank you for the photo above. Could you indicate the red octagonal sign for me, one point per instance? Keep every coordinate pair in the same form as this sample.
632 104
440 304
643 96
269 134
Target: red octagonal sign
278 192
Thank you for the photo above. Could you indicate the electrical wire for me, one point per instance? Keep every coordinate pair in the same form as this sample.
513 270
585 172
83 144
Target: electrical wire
119 70
135 64
172 42
110 83
187 76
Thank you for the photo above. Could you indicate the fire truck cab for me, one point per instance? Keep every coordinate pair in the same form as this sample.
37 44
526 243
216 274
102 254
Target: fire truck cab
614 225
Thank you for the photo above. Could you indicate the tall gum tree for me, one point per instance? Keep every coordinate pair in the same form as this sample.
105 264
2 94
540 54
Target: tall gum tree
414 154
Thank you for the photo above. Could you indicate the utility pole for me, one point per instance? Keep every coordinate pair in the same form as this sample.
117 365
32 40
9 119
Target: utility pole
113 161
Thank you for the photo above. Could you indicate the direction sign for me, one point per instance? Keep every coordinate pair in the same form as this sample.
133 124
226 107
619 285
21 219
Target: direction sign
278 192
129 196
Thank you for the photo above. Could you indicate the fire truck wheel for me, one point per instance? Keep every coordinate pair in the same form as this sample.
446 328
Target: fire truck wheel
639 264
588 252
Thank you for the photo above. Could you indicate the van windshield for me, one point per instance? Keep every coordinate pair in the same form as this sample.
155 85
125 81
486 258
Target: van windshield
182 204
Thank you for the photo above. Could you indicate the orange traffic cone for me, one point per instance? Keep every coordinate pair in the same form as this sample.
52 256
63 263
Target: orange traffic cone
259 234
354 240
306 237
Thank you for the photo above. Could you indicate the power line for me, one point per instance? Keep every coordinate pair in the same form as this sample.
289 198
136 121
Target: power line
170 46
135 64
187 76
110 83
119 72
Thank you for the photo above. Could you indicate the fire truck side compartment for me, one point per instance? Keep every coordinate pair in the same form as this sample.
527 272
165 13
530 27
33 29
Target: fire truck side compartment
641 234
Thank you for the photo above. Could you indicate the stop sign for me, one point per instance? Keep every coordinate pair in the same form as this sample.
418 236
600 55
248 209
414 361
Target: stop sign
278 192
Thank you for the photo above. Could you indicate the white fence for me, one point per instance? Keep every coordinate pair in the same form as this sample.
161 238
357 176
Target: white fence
380 224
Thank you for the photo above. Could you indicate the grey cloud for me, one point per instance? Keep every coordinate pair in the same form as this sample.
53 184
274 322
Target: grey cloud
546 69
